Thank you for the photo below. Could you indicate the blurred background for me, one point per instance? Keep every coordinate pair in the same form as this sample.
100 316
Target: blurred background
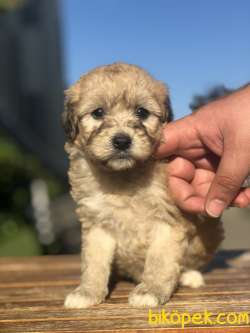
200 49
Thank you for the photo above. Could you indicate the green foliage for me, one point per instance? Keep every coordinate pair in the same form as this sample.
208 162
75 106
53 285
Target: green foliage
10 4
17 238
17 170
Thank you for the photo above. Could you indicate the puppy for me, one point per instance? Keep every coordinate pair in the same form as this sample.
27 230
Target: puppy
113 120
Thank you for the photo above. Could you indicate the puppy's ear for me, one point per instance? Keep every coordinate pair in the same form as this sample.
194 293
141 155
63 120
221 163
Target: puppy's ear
169 111
162 95
69 116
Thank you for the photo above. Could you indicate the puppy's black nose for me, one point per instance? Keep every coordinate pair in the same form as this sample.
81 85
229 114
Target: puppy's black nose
121 141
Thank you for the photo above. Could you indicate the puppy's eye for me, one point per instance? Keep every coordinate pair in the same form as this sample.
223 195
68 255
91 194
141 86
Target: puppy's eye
98 113
142 113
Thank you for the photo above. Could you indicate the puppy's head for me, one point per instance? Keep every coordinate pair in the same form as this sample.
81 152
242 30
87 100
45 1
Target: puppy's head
115 114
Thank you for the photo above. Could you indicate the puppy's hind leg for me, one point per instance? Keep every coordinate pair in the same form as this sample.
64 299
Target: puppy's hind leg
162 268
192 279
97 255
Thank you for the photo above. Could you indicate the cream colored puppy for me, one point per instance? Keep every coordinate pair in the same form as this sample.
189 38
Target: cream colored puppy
113 119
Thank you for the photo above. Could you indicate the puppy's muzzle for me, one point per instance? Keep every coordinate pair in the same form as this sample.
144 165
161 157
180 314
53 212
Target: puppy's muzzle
121 141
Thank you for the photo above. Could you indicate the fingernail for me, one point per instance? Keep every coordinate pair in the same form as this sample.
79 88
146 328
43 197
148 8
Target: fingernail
215 207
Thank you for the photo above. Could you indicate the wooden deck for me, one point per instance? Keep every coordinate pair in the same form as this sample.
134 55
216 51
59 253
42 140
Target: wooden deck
32 291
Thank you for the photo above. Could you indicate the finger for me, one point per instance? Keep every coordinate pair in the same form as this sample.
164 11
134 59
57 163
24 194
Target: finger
184 195
202 181
178 136
232 170
242 200
208 162
181 168
247 192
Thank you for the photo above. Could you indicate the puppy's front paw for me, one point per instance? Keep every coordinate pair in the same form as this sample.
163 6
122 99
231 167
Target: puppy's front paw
78 299
141 297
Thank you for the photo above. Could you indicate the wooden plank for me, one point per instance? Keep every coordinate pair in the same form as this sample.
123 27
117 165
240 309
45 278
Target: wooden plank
32 291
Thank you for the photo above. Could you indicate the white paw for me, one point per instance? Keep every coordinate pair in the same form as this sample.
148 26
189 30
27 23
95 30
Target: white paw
192 279
141 297
146 300
77 300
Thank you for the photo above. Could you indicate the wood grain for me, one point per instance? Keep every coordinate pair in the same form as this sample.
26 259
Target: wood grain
32 291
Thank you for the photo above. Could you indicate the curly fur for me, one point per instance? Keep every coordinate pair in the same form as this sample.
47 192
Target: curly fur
129 221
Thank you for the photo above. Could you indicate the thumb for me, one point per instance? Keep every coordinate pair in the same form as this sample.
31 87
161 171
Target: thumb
232 171
177 136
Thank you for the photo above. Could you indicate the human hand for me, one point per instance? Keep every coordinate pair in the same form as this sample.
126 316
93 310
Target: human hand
212 155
